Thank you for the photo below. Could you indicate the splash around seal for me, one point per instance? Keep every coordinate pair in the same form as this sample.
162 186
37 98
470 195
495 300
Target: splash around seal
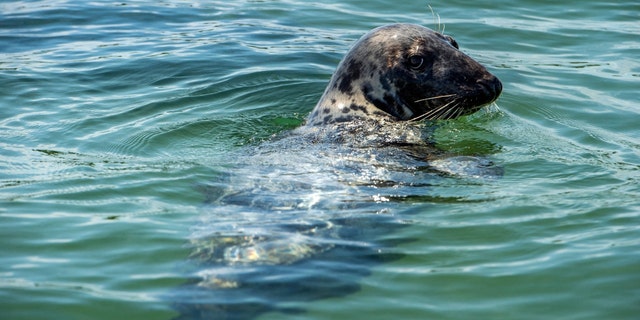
404 72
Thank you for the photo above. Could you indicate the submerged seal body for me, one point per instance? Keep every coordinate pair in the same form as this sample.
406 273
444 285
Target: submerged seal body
404 72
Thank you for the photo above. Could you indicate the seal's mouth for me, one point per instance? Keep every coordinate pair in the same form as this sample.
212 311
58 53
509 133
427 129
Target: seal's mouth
451 106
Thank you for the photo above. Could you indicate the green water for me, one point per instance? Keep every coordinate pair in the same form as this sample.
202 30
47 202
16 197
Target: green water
113 115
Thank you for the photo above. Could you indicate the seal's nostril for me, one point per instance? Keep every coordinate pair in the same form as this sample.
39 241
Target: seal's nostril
498 86
492 87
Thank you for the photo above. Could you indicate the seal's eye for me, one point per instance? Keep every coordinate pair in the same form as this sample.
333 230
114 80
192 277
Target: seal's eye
416 62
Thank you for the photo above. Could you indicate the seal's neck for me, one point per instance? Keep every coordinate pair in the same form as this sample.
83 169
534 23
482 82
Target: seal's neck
337 106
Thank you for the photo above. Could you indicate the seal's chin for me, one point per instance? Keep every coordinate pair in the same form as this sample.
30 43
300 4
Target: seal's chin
443 111
450 110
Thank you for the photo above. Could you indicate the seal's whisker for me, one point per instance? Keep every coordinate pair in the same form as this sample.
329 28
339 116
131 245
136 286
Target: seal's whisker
426 115
440 111
454 112
436 19
435 113
436 97
449 112
445 114
457 111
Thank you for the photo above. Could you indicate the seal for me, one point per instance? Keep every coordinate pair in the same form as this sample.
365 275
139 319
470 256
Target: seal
293 221
404 72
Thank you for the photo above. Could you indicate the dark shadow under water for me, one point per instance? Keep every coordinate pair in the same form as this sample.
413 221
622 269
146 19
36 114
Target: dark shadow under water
259 289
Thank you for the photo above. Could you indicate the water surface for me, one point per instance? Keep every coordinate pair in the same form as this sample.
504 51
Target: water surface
117 118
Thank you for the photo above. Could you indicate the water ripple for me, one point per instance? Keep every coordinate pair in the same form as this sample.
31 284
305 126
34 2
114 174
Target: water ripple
121 121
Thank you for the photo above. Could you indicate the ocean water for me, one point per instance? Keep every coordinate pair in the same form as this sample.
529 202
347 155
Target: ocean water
122 124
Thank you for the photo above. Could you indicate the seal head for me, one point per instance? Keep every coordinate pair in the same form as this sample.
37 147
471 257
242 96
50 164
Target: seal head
404 72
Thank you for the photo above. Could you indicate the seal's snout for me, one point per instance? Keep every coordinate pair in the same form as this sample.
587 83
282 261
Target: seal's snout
492 87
